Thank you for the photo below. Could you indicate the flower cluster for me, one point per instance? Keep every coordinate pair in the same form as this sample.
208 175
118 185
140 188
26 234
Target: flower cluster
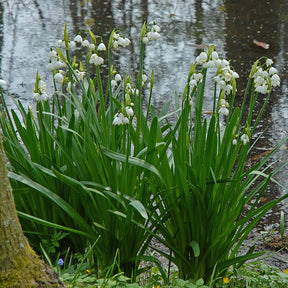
119 40
123 116
96 60
223 107
117 78
265 79
55 62
225 76
40 90
195 79
151 33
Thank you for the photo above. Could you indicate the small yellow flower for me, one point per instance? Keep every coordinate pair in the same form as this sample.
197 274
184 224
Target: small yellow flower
88 271
158 286
226 280
285 270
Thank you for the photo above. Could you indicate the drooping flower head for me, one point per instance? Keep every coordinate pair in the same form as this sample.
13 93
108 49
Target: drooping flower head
150 32
40 92
264 76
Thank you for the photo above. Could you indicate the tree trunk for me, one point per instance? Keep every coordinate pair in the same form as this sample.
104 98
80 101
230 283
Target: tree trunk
19 264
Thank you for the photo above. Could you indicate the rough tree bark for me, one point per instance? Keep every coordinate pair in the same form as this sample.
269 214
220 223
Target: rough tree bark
19 264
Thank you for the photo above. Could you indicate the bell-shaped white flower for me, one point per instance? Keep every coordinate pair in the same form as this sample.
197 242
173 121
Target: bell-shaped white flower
245 139
96 60
129 111
202 58
78 39
85 43
101 47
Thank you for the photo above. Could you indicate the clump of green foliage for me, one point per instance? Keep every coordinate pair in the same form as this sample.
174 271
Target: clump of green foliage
92 163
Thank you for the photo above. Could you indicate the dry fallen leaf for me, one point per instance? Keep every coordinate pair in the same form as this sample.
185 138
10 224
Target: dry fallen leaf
261 44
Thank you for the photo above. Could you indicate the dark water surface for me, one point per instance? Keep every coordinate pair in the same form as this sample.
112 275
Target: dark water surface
28 28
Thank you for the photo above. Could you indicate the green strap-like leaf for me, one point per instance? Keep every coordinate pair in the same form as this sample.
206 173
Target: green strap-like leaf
196 249
53 197
131 160
140 208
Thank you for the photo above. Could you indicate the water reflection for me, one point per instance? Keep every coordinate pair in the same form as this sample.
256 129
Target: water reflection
28 28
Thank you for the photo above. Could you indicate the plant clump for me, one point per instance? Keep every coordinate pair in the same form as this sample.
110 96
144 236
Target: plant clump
92 164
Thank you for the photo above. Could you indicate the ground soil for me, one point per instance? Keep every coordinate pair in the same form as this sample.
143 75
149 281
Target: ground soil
276 249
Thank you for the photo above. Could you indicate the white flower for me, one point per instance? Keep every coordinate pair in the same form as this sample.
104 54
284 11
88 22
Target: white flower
145 40
80 74
234 142
51 66
96 60
117 120
245 139
116 36
125 120
209 64
214 56
275 80
224 63
235 75
224 111
114 83
153 35
59 78
144 78
60 64
193 83
259 80
198 76
61 44
41 97
118 77
135 91
92 46
68 88
42 86
263 89
129 111
120 119
222 102
101 47
120 40
272 71
115 44
202 58
3 83
269 62
228 88
128 88
227 76
222 83
52 54
78 39
156 28
37 96
125 42
71 44
85 43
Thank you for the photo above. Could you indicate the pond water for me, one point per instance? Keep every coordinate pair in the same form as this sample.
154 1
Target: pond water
28 28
